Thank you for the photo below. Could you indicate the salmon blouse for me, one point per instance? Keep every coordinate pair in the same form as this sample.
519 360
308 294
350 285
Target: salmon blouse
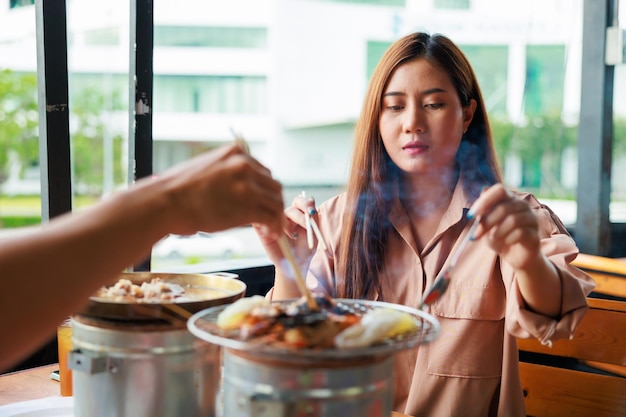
472 368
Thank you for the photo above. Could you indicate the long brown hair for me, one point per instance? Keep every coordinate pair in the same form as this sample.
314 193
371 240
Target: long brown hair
374 179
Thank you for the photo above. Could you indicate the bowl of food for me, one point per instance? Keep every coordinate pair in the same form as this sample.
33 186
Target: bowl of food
150 296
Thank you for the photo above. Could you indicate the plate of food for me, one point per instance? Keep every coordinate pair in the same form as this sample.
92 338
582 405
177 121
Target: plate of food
336 329
145 296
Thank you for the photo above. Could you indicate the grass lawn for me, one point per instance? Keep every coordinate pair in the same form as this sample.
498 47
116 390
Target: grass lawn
30 207
16 206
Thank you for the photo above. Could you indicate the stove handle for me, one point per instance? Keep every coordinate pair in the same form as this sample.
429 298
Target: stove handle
91 364
262 405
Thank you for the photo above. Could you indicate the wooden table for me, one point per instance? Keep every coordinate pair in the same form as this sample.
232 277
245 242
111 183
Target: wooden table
30 384
35 383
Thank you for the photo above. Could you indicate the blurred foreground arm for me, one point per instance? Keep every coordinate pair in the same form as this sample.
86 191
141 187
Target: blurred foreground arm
48 274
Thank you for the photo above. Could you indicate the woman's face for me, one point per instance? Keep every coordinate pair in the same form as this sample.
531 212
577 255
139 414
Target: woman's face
422 120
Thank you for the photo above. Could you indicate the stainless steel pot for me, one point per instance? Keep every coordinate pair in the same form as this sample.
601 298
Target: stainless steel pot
150 365
142 371
262 380
258 388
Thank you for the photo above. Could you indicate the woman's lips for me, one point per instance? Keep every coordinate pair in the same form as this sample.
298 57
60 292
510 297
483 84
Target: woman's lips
415 148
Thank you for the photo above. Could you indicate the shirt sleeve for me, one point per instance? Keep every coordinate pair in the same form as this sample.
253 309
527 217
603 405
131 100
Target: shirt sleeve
561 250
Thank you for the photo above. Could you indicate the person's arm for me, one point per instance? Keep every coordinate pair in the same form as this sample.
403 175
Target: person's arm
47 275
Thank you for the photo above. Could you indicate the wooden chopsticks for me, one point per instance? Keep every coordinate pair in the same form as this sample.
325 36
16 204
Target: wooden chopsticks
285 247
300 280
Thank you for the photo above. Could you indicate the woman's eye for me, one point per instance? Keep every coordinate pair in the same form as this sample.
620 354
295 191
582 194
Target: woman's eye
434 105
395 107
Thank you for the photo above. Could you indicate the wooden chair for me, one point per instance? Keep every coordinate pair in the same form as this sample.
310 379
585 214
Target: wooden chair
609 274
581 377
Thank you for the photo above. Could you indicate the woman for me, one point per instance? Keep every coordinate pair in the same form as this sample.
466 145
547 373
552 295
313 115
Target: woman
423 168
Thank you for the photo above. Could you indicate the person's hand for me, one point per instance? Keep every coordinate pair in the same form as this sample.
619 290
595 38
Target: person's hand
509 226
296 233
221 189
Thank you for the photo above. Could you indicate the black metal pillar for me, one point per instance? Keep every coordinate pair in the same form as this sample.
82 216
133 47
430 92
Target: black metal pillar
595 132
141 85
54 132
54 119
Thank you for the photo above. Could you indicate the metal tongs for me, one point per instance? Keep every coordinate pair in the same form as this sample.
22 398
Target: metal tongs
441 282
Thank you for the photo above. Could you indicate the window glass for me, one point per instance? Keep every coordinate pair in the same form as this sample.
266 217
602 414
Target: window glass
294 88
618 186
20 3
20 188
98 65
490 63
375 50
210 93
103 36
452 4
215 37
307 89
545 72
370 2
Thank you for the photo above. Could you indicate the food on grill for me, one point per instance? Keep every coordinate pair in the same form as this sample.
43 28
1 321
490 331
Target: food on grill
375 326
295 325
234 315
153 291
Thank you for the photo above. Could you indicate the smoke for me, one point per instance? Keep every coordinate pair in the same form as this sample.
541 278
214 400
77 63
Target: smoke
475 170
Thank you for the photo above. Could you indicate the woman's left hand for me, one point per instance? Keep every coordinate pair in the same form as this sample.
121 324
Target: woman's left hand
511 228
508 225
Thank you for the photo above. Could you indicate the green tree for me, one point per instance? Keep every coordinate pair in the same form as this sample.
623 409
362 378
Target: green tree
89 109
541 144
19 120
502 131
19 136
